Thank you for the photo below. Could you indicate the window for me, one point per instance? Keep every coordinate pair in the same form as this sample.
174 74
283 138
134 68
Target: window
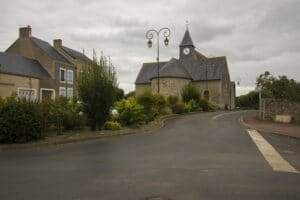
70 76
62 75
62 91
206 95
27 93
47 93
70 92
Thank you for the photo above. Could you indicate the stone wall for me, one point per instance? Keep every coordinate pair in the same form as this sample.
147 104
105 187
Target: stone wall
9 84
27 48
141 88
214 88
269 108
173 86
169 86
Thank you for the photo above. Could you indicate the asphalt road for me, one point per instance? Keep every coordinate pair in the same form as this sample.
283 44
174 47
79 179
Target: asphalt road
195 157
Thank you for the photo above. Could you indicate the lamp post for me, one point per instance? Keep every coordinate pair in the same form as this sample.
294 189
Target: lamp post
259 89
149 35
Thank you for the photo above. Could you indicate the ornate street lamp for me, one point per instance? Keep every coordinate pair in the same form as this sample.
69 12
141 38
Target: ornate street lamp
149 35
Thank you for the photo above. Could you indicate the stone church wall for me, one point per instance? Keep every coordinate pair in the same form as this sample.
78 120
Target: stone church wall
215 91
141 88
169 86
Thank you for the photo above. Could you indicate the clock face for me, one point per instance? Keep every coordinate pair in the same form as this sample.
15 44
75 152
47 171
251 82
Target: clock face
186 51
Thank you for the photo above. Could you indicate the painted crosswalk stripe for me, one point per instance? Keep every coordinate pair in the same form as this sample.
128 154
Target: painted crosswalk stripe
275 160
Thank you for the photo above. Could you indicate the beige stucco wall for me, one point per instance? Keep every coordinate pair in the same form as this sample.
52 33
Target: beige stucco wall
169 86
9 84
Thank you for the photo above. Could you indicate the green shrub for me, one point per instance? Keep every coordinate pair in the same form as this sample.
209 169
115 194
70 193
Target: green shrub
159 105
206 105
178 108
130 95
147 101
130 112
153 104
187 108
111 125
190 92
20 121
172 100
62 112
191 106
97 86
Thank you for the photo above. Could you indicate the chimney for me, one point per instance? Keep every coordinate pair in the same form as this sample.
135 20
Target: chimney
57 43
25 32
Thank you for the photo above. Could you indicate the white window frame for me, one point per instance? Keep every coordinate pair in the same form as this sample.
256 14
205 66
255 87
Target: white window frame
59 93
31 89
65 74
70 79
68 92
47 89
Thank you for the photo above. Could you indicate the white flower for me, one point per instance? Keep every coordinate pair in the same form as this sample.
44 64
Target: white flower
114 112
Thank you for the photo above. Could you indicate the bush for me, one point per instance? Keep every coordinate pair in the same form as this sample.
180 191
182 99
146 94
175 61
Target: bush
191 106
97 85
159 105
172 100
62 112
111 125
20 121
130 112
190 92
153 104
178 108
250 100
206 105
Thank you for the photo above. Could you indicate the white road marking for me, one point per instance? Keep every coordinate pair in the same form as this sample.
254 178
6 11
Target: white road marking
274 159
226 113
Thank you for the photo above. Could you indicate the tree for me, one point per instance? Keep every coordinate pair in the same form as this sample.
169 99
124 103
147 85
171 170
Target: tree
97 89
130 94
280 87
119 94
190 92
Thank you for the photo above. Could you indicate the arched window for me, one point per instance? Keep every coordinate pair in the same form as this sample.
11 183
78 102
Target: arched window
206 95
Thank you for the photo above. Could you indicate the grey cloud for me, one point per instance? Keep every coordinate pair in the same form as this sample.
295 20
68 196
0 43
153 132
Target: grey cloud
254 35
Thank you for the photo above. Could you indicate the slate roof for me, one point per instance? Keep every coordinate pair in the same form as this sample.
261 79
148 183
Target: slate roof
187 39
194 69
148 71
50 50
19 65
174 69
76 54
209 69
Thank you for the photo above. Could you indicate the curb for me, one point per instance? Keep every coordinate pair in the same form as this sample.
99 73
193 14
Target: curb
243 123
162 122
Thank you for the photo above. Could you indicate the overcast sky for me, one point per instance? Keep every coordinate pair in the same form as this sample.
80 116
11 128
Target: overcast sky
254 35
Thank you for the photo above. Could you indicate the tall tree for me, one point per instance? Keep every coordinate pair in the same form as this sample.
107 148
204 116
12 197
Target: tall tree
280 87
97 89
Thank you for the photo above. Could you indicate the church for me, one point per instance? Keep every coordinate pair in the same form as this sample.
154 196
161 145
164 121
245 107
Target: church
209 74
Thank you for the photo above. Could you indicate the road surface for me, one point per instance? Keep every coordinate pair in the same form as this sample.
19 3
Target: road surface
194 157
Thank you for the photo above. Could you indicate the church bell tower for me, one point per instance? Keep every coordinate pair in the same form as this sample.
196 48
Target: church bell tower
186 46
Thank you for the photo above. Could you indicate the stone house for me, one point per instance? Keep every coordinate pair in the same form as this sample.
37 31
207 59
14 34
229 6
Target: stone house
60 63
209 75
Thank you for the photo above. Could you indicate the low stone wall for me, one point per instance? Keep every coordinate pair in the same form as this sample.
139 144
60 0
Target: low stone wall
269 108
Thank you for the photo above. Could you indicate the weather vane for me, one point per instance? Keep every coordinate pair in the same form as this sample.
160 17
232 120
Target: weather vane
187 24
